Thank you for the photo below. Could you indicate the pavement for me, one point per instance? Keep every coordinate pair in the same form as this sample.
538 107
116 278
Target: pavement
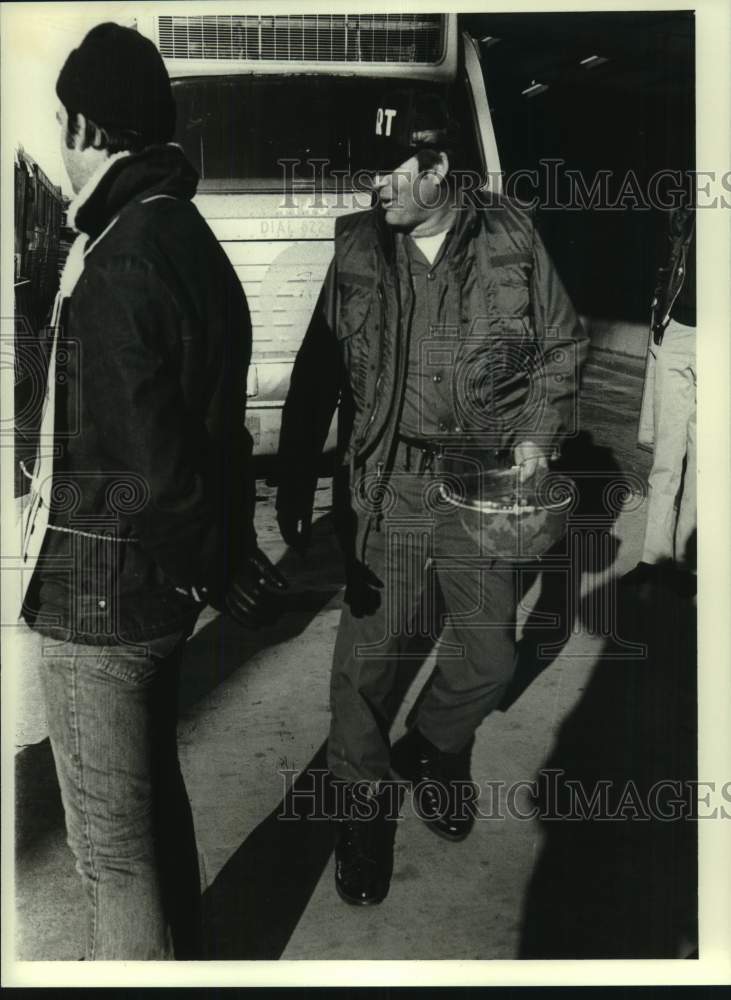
604 692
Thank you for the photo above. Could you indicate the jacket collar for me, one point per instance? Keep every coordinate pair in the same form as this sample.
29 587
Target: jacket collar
88 189
384 236
125 178
465 227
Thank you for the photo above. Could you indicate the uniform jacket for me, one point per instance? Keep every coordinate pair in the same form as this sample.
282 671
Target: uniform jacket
514 318
150 489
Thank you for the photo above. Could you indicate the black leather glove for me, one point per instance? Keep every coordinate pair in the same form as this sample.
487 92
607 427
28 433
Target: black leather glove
362 589
295 524
251 596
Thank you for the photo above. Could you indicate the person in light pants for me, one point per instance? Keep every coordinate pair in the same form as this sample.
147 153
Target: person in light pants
667 535
668 414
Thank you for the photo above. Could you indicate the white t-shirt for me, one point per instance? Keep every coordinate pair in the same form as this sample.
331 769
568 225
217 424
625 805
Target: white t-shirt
429 245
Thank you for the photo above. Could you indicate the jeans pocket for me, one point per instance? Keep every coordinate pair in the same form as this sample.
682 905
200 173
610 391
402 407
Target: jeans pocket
129 664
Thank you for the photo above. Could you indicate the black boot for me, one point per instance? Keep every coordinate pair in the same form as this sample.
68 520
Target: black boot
444 792
364 831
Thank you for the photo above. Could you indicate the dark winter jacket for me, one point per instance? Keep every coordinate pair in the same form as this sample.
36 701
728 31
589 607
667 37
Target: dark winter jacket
151 494
515 321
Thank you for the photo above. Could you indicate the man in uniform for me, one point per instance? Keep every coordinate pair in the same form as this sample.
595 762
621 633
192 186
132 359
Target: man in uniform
441 319
141 496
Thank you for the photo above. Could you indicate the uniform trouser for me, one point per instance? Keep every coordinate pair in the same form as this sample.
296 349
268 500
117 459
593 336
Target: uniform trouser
674 414
433 582
112 717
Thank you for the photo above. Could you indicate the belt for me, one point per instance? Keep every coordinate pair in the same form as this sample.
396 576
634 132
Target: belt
428 452
431 450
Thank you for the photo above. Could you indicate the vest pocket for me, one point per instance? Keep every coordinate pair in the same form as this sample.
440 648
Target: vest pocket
512 298
354 305
356 298
513 273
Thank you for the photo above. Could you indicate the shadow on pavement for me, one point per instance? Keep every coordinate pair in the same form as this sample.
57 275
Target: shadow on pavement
223 646
38 807
256 901
623 887
589 546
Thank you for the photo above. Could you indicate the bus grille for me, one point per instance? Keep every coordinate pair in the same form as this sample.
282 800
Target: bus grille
338 38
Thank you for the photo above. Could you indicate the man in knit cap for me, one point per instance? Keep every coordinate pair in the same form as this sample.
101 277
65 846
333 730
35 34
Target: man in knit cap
150 501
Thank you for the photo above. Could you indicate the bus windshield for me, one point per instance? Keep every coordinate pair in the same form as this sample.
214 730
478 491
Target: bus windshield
241 131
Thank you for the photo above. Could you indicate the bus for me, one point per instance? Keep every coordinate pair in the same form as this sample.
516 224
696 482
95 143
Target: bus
39 239
40 247
268 106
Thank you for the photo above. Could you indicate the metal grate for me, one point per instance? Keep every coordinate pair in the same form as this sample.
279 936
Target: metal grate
349 38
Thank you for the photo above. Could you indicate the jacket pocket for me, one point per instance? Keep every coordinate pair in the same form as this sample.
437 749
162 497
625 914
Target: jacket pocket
506 333
355 299
513 274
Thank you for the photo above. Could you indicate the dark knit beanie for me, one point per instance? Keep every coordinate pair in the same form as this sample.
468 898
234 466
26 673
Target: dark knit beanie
117 79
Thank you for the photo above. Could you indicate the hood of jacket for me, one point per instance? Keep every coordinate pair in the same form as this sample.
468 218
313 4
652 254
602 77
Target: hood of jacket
157 170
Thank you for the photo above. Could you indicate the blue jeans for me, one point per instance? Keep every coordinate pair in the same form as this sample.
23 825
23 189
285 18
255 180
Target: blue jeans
112 719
